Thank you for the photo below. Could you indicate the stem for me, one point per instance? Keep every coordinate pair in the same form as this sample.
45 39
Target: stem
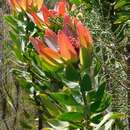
40 121
87 110
39 111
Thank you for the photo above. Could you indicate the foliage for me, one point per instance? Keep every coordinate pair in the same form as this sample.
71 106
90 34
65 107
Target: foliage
70 97
122 8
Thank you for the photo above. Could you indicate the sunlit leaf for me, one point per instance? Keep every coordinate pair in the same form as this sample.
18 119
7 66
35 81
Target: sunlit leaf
71 116
121 3
63 98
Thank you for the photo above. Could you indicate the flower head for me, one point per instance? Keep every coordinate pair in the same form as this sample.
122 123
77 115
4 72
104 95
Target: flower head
64 45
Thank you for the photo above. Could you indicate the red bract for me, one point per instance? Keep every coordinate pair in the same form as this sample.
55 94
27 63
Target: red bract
42 18
26 5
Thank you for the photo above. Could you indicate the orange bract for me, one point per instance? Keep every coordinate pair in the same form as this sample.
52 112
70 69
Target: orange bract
45 13
26 5
84 35
66 49
48 54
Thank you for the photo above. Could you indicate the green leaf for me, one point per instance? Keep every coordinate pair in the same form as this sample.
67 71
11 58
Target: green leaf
117 115
76 126
97 68
105 119
63 125
96 118
85 83
16 47
45 65
99 96
25 125
71 73
85 57
70 84
71 116
10 20
13 23
30 26
36 69
107 125
91 95
47 129
49 105
75 1
122 19
64 99
15 38
108 120
121 3
100 91
58 125
26 85
105 102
